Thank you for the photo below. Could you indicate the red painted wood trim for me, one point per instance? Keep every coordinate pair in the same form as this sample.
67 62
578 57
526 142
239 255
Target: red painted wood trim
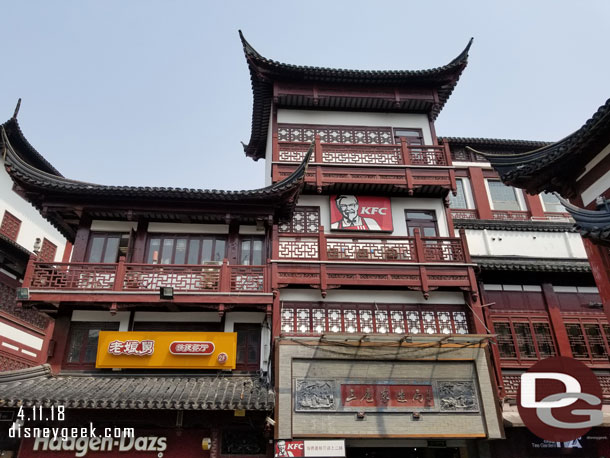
478 319
29 271
559 329
9 281
599 259
67 252
449 218
139 248
594 174
534 205
82 239
495 353
479 192
60 337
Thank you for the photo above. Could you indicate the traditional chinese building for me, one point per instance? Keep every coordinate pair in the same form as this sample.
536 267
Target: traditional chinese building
380 339
162 316
24 333
538 292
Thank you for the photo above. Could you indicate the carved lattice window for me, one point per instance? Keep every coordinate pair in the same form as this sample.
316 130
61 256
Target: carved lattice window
10 226
47 251
524 339
305 220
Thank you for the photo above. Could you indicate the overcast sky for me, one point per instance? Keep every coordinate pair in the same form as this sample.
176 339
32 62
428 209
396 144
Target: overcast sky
158 92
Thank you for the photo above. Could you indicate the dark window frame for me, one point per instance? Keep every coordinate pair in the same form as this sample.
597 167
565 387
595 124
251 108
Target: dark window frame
409 138
531 322
433 223
250 330
87 326
604 332
189 238
252 239
106 235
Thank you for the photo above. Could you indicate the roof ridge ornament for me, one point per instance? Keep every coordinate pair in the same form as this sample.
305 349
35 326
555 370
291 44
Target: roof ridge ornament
464 54
248 49
16 112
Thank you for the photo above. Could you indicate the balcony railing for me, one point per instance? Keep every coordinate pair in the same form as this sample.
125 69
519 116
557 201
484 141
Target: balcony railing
510 215
461 213
128 277
375 248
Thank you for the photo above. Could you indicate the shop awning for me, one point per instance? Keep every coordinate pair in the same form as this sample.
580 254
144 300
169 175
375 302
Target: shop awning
38 387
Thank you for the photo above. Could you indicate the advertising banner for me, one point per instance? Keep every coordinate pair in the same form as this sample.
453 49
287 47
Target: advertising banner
310 448
166 350
360 213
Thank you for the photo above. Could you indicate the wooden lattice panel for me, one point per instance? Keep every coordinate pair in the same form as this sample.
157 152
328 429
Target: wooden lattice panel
10 226
47 251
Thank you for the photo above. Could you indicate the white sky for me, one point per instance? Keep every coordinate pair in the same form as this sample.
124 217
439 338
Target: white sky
157 93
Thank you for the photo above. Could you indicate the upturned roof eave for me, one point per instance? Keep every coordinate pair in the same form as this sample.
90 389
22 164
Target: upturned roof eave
264 71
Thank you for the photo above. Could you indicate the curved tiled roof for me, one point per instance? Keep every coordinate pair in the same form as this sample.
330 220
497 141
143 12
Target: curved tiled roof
549 167
26 150
38 387
264 71
43 184
593 224
522 264
494 142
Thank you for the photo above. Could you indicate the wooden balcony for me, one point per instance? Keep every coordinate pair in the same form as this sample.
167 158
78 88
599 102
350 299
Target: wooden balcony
412 168
128 282
333 260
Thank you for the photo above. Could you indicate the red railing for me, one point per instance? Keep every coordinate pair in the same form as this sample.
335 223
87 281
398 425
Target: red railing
123 276
375 248
370 155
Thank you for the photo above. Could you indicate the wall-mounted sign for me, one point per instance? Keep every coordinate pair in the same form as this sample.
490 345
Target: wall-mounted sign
307 448
166 350
360 213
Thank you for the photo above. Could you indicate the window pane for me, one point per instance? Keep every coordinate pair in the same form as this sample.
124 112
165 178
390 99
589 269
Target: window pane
97 245
546 347
596 341
506 346
180 251
193 256
458 201
502 196
112 249
551 203
219 250
91 351
76 343
577 341
207 250
428 231
245 253
153 247
168 250
257 252
525 341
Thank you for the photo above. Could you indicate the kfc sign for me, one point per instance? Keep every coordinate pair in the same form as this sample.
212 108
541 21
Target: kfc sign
360 213
330 448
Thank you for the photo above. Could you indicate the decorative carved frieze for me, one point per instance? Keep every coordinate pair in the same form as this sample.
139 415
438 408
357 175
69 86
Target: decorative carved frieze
458 396
314 395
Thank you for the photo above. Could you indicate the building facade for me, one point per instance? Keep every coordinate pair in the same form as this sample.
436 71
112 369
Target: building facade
24 333
379 297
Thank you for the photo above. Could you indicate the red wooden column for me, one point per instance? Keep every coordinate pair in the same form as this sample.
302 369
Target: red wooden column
82 238
599 259
61 333
67 252
479 192
534 205
138 251
552 307
495 353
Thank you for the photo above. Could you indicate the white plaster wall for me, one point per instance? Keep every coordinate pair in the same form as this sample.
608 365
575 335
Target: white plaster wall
351 118
382 297
178 317
521 243
177 228
33 225
253 317
113 226
399 205
596 189
19 336
101 315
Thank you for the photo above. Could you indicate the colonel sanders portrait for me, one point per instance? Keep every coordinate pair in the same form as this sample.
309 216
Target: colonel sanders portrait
349 207
281 449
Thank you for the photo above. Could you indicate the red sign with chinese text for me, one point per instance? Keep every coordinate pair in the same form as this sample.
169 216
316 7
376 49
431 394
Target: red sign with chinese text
360 213
191 348
353 395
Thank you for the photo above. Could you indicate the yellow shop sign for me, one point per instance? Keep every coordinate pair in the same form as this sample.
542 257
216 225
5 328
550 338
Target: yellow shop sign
166 350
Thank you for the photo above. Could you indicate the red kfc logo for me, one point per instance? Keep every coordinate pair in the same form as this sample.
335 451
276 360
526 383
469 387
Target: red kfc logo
289 448
360 213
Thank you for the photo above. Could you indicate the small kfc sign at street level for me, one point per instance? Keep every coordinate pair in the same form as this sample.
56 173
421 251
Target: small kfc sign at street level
132 347
191 348
310 448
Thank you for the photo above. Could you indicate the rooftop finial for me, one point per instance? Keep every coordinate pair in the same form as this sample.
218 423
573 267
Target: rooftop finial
17 108
248 49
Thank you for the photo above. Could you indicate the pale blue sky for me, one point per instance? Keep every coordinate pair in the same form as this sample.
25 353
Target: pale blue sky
158 93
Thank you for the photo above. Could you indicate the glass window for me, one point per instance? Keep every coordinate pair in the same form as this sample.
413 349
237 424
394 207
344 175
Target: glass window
108 247
424 220
524 340
551 203
82 346
503 197
459 200
248 346
193 249
413 136
251 251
